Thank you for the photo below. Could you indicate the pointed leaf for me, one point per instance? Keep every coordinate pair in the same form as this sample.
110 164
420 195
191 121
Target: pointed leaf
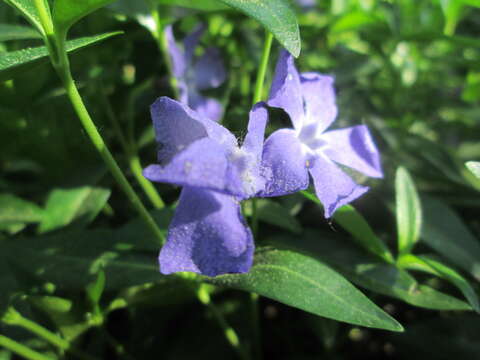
408 210
28 10
68 12
368 272
16 62
277 16
306 283
445 232
67 205
16 32
474 167
431 266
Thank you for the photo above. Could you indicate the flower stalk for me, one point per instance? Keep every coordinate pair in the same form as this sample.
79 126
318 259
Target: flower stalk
22 350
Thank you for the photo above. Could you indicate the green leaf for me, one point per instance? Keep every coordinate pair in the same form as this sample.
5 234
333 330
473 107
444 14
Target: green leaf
17 62
474 167
431 266
408 210
370 273
65 206
95 289
306 283
353 222
73 259
205 5
445 232
67 12
28 10
14 210
277 16
15 32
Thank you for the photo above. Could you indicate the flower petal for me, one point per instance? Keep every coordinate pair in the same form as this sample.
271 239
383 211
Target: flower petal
207 236
285 92
177 126
202 164
284 164
207 107
247 161
354 147
333 187
177 56
319 96
209 70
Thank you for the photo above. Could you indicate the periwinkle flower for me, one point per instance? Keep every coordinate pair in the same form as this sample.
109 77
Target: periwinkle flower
291 154
196 74
208 234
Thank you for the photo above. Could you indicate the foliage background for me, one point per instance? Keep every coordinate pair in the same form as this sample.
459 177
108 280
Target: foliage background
408 69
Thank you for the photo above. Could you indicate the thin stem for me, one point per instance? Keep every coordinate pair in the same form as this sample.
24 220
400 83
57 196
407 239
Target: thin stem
162 42
147 186
229 332
14 318
105 153
262 70
22 350
257 96
45 18
130 150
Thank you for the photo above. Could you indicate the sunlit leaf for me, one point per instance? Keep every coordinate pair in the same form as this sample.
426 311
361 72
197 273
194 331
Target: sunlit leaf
28 10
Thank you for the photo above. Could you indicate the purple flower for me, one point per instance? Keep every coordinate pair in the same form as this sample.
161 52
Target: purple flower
289 155
208 234
196 74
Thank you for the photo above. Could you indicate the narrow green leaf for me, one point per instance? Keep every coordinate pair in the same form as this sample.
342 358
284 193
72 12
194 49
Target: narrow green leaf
16 32
28 10
17 62
445 232
14 210
474 167
95 289
277 16
431 266
67 12
368 272
408 210
353 222
306 283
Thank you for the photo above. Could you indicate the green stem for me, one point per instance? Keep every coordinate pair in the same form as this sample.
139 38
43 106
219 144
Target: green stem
229 332
14 318
105 153
45 18
131 152
147 186
262 70
257 96
162 43
22 350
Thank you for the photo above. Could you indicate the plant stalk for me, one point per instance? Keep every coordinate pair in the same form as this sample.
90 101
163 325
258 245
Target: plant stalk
22 350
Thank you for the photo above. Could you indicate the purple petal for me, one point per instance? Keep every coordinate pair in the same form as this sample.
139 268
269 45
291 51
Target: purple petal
247 160
207 107
209 70
207 235
354 147
202 164
286 89
191 42
177 126
319 96
333 187
284 164
179 61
